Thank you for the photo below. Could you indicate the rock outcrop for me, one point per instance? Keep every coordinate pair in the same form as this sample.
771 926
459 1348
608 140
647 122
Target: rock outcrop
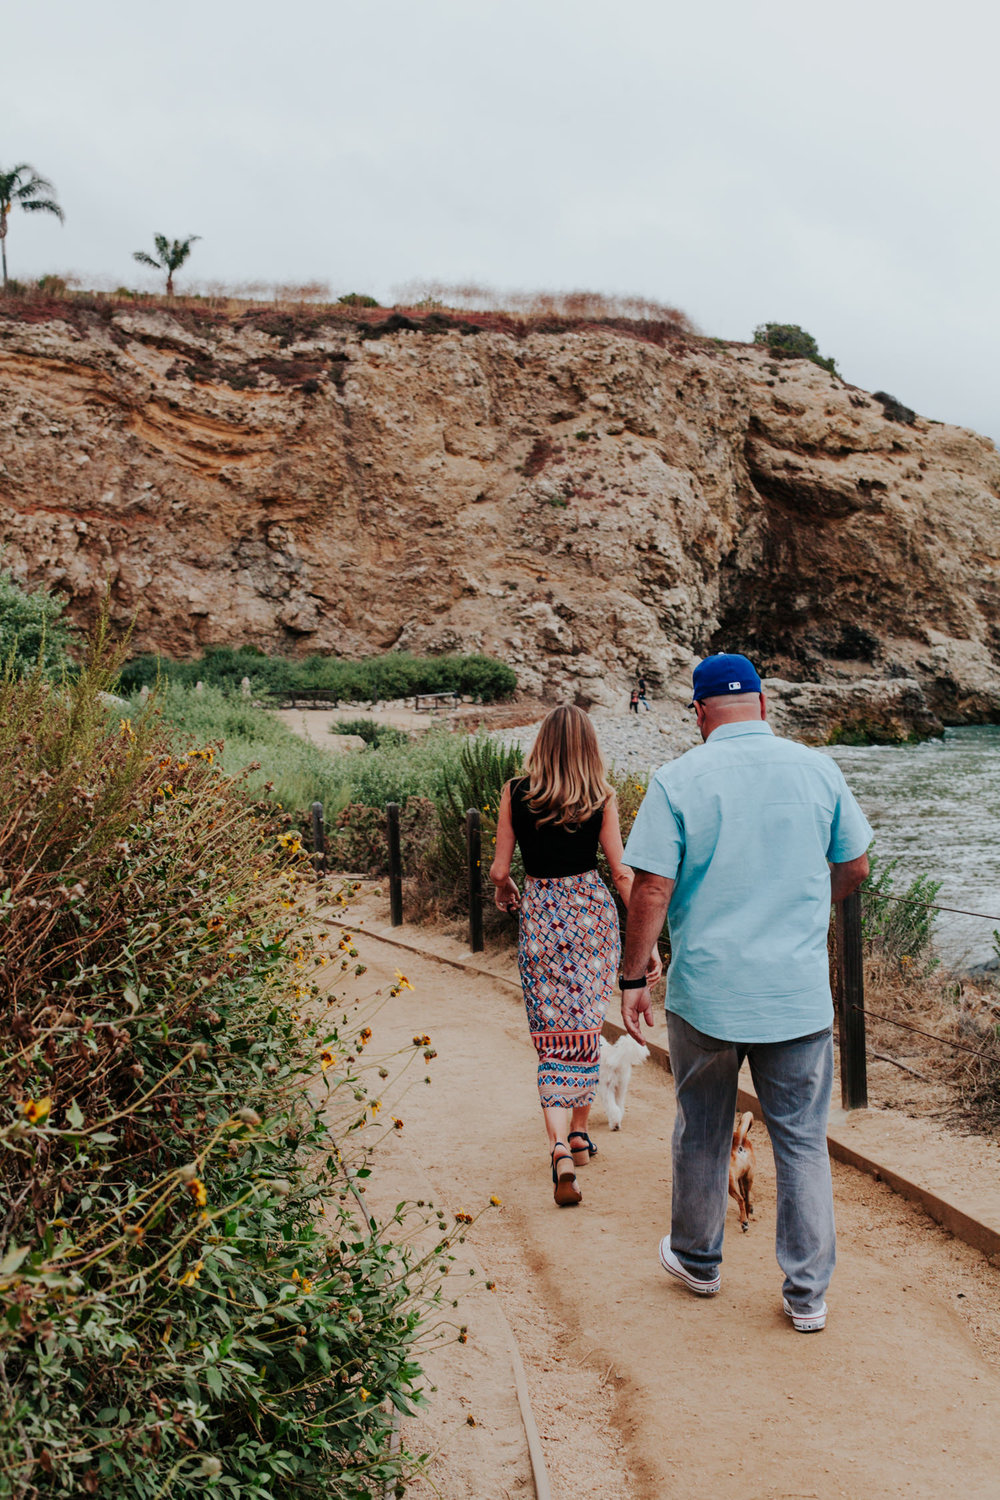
584 504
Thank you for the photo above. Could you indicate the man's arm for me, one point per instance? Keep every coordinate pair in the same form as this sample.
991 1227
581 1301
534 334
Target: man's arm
847 877
647 911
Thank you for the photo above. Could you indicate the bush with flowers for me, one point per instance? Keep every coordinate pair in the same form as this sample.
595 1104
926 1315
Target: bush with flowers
191 1297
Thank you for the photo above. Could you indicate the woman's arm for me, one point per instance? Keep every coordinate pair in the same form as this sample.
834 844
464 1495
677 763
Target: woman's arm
506 895
614 850
621 874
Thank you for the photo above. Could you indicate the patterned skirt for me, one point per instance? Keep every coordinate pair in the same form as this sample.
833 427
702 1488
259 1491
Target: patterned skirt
568 953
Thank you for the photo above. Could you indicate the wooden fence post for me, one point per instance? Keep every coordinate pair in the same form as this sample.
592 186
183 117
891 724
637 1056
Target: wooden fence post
395 865
474 843
851 1004
318 840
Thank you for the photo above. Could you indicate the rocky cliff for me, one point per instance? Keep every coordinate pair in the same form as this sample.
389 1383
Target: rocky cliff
583 503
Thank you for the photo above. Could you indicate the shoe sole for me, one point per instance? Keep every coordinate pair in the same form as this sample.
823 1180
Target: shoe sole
805 1322
674 1268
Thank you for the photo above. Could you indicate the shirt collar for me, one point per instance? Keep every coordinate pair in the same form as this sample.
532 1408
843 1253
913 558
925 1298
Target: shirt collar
742 726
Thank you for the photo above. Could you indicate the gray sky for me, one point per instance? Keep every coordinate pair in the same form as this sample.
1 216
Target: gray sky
744 160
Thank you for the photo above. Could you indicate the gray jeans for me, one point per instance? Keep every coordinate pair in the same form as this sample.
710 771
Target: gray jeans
793 1081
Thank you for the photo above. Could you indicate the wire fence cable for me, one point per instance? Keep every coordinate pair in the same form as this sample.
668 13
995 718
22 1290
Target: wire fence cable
909 1026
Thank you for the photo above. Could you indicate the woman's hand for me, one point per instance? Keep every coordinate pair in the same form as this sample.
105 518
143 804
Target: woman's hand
654 968
506 894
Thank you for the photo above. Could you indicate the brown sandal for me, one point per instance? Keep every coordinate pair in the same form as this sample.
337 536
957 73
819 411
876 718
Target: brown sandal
567 1194
581 1154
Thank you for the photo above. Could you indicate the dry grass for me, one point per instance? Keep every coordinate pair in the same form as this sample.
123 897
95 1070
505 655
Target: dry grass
299 311
932 1073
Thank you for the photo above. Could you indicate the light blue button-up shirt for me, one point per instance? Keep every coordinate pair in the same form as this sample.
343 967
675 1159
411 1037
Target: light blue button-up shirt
745 824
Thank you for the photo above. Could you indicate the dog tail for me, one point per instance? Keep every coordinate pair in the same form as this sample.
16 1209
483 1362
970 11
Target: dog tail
743 1129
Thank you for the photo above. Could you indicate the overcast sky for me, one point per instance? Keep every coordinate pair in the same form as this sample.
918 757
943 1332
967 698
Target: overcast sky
831 165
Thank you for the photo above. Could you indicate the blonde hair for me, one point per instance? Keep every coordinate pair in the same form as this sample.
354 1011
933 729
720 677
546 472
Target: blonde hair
567 782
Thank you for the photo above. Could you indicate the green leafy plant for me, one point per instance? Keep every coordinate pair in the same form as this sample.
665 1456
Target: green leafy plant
189 1297
33 632
789 341
358 299
475 780
897 927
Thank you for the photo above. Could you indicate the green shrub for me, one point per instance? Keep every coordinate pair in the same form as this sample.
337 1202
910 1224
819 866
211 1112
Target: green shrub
32 629
394 772
357 840
789 341
394 675
476 779
358 299
372 732
278 763
898 928
893 410
189 1298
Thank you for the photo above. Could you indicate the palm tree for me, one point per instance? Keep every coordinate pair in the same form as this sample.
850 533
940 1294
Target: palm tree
169 257
23 186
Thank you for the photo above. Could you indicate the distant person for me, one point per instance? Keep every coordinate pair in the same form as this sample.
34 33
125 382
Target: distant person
643 694
559 813
633 701
743 842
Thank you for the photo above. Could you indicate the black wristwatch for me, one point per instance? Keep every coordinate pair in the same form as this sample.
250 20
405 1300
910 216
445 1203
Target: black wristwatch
632 984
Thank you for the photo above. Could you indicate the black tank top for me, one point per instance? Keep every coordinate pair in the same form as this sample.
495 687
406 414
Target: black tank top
552 850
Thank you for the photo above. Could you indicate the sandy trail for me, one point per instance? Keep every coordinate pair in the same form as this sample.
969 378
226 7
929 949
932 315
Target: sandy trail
641 1390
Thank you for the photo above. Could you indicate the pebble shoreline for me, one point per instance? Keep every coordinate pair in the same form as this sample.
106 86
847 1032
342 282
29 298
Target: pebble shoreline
629 742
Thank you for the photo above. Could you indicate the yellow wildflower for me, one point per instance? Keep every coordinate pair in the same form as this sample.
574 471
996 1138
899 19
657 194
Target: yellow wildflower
326 1059
190 1277
404 983
495 1200
375 1107
197 1190
37 1111
363 1393
397 1124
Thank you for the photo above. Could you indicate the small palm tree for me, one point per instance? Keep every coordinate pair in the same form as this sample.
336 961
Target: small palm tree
23 186
169 257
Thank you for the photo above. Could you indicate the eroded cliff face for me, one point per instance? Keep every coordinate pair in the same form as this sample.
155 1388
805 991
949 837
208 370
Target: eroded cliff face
583 504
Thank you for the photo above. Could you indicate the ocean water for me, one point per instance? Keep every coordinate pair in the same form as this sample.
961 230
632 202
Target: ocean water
936 807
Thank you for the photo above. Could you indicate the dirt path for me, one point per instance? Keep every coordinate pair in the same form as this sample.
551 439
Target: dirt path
641 1390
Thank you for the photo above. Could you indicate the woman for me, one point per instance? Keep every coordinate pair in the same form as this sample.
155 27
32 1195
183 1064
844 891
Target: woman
558 813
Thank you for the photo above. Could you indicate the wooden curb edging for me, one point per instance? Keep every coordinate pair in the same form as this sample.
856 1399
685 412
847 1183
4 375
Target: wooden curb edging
964 1226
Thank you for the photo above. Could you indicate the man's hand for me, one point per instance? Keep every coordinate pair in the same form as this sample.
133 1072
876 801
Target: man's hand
636 1003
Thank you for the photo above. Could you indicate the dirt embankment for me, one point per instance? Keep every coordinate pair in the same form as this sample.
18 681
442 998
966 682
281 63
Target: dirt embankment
582 503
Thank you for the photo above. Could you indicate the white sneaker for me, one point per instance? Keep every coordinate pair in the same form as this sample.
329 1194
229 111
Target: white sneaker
673 1267
813 1322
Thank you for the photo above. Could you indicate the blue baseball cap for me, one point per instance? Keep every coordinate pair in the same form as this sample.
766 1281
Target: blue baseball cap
721 674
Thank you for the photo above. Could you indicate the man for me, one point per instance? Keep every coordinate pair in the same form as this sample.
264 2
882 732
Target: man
745 840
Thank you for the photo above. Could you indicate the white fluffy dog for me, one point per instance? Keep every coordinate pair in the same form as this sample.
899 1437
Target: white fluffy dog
617 1061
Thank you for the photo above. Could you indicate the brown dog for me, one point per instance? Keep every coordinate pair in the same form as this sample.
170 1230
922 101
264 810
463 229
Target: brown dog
741 1168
